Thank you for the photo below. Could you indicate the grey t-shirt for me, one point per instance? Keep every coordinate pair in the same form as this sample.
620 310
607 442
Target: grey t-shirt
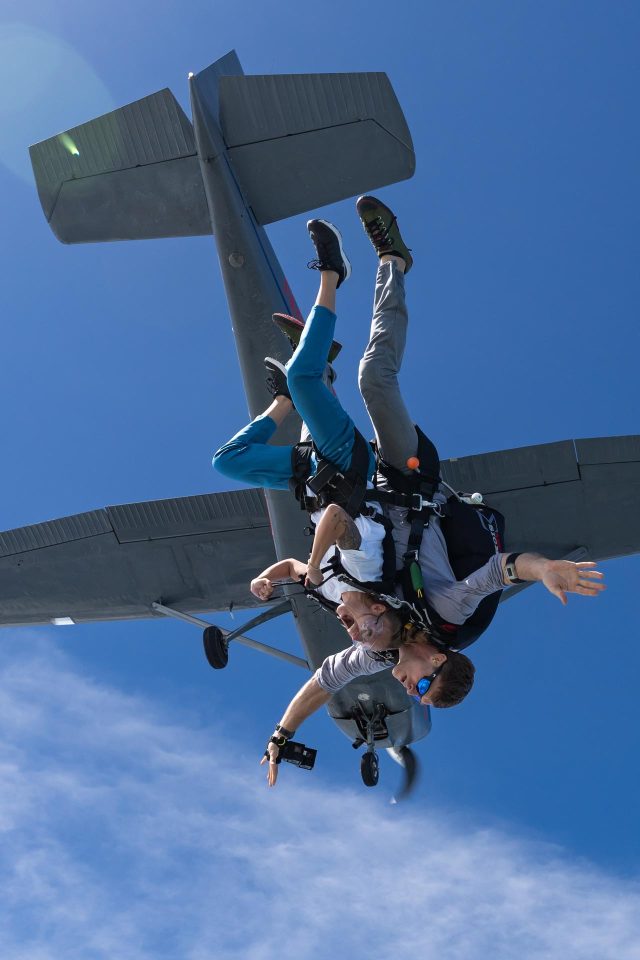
342 667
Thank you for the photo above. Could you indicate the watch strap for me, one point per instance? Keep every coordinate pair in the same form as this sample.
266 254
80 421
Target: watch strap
510 569
287 734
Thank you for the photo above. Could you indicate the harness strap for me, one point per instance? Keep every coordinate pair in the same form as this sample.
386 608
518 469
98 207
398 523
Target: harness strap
386 584
388 562
414 492
329 483
424 480
300 469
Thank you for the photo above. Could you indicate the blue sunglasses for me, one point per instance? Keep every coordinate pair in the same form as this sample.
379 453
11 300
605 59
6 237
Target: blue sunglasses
391 657
423 684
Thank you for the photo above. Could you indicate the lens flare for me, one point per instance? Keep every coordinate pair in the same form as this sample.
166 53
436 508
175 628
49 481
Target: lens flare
57 89
68 144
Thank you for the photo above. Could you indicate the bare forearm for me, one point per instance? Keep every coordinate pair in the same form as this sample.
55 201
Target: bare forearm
290 569
335 527
529 566
325 536
306 701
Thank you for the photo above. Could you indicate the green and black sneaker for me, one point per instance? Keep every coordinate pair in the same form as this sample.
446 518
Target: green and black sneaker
292 329
381 225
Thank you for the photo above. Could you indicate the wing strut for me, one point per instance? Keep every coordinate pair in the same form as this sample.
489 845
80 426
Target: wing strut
277 611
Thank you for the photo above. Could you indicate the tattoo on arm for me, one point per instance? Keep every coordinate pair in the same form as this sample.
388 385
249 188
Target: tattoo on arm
350 537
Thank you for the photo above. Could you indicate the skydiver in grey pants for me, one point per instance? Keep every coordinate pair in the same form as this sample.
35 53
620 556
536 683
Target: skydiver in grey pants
380 365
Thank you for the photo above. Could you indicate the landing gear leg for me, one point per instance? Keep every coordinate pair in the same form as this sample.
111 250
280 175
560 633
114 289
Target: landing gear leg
370 725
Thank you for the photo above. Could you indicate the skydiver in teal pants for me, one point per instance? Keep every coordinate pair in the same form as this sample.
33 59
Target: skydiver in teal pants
248 456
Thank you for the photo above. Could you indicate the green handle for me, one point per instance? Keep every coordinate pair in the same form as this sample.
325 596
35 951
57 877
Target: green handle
416 578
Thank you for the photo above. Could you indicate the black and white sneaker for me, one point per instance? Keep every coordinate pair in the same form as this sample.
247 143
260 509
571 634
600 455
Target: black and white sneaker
276 378
328 243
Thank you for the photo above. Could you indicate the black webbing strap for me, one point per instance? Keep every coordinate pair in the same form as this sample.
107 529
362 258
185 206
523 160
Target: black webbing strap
386 584
330 484
424 480
300 469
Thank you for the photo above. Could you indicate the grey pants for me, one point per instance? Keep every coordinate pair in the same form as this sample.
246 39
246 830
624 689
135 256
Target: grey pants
380 366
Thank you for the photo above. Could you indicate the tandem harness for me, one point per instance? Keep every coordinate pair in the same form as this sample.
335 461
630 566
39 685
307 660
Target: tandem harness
329 484
473 533
348 489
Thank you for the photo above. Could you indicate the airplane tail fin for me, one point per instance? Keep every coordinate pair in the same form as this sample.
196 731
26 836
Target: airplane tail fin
294 142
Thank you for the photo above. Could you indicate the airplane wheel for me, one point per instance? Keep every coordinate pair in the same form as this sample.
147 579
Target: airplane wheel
369 769
216 648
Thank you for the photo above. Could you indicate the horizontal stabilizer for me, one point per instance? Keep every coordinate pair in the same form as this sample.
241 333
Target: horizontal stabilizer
130 174
300 141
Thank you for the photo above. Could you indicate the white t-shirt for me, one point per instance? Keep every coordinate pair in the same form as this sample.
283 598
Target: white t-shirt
363 564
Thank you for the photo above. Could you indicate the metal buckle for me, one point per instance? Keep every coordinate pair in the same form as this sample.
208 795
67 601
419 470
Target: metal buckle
411 555
417 498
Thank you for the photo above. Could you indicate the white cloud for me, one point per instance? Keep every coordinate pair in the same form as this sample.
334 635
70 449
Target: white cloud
127 833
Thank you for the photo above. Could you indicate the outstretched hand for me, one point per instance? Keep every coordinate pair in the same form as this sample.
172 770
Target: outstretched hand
272 770
563 576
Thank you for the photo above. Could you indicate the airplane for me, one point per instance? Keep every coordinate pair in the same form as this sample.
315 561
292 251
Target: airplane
259 149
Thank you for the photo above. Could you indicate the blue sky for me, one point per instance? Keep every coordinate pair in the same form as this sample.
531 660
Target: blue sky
134 816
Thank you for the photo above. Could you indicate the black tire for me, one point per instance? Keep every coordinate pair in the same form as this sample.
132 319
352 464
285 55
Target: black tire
216 648
369 769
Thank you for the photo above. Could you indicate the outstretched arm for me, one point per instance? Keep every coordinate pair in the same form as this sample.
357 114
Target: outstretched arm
306 701
335 526
291 569
559 576
335 673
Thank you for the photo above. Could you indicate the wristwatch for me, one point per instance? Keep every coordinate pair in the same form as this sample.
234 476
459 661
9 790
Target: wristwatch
510 569
287 734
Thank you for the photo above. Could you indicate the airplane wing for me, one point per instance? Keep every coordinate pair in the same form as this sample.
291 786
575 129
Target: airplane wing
192 553
559 497
198 554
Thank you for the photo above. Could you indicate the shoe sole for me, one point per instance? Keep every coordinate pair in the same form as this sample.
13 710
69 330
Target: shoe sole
292 328
338 236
